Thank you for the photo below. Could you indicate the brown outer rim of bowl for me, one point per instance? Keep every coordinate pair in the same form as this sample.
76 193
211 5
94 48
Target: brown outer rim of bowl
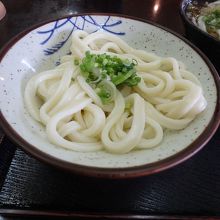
118 173
183 6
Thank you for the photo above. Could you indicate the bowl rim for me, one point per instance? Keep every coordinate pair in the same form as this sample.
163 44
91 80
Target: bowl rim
117 173
183 6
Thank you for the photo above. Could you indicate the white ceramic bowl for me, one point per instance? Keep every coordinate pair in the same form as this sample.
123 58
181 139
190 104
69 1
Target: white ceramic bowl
41 47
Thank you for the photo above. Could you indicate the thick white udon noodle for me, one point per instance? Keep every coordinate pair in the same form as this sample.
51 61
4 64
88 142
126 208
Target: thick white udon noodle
168 96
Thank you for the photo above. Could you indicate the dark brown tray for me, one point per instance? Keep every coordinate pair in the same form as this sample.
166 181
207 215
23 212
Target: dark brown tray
191 188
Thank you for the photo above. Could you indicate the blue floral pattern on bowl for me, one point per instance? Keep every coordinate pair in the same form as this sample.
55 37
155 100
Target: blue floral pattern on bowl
78 23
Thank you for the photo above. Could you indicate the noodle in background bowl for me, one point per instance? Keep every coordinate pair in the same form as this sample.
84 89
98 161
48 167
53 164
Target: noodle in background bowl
208 44
40 48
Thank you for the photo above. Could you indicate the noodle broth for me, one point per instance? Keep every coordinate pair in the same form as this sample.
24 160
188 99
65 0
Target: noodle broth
206 16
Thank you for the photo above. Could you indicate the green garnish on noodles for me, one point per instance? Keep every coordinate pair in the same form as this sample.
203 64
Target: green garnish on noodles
104 73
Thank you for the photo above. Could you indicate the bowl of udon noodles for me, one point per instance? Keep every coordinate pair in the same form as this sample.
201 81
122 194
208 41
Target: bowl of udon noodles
202 22
107 95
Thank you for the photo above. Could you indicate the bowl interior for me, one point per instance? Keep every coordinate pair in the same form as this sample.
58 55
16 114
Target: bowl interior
42 48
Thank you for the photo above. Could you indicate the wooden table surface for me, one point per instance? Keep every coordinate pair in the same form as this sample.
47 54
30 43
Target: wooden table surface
189 189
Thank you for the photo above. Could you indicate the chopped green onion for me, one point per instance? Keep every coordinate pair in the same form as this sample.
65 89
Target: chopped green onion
97 69
106 90
122 77
76 62
128 106
213 19
135 62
